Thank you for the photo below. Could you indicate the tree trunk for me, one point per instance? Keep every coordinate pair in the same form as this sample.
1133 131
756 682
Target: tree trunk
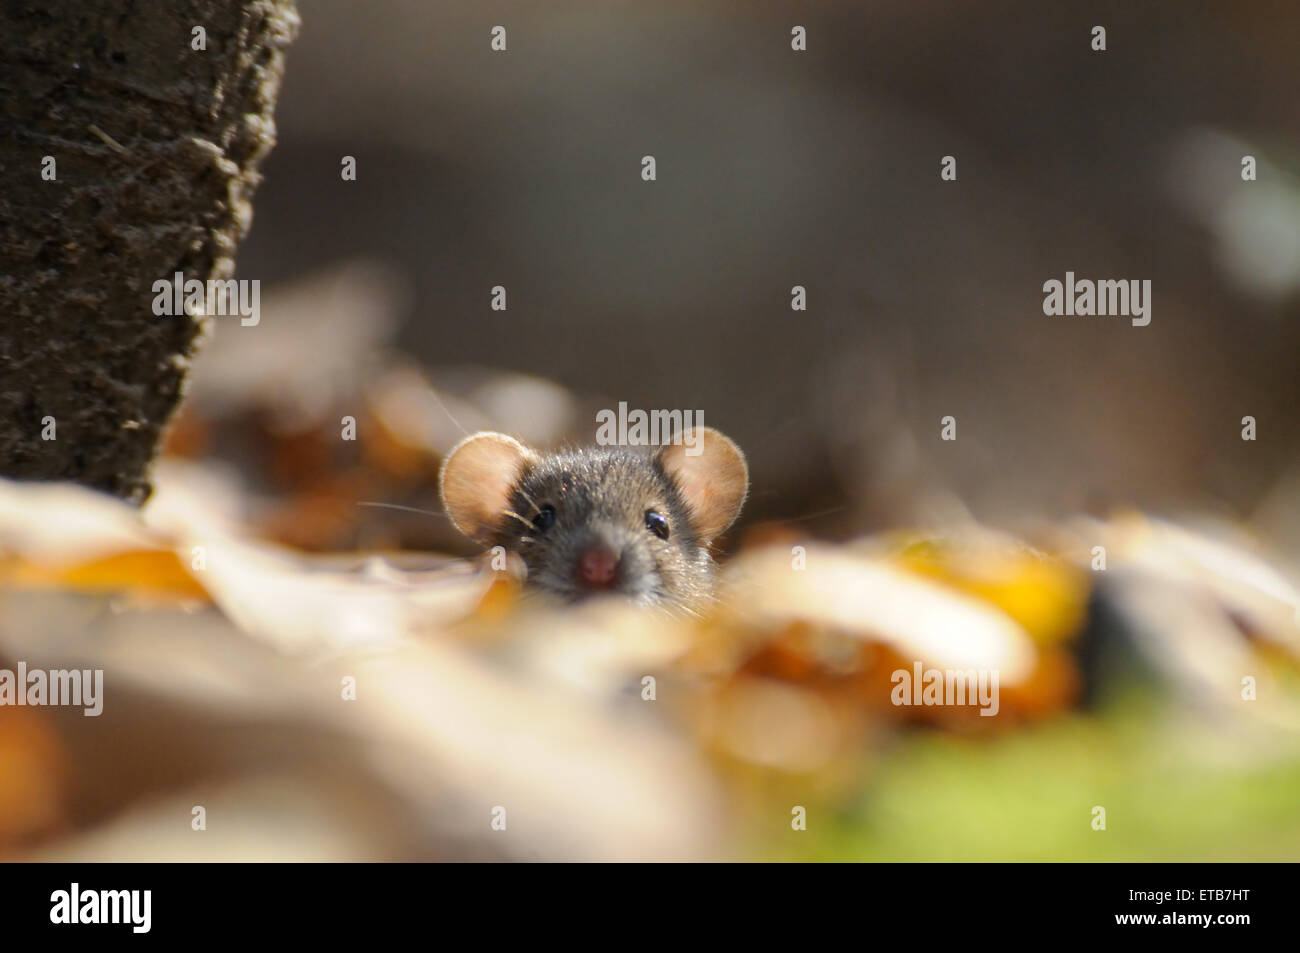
153 147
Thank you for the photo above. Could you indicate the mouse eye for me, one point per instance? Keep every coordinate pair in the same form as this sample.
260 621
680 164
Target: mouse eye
544 519
656 523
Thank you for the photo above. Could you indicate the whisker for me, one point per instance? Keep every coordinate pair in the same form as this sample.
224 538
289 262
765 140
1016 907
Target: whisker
434 393
531 502
812 516
409 509
512 513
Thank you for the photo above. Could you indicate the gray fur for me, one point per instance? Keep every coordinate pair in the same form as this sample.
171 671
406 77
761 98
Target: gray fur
602 495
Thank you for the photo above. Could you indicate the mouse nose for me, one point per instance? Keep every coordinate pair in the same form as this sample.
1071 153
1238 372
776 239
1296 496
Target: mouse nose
597 567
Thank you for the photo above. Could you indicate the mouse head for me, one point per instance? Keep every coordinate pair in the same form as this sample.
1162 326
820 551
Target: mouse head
604 519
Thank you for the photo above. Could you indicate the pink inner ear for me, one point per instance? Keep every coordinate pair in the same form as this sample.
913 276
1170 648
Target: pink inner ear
477 480
696 488
714 483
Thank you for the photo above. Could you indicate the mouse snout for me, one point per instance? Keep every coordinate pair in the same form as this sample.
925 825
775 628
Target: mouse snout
597 567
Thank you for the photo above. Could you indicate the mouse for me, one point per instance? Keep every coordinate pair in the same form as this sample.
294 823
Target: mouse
633 521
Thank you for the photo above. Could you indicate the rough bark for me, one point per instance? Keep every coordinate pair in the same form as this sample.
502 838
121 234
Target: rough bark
156 148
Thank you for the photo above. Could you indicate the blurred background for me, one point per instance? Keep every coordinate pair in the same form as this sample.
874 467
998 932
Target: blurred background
1124 681
821 169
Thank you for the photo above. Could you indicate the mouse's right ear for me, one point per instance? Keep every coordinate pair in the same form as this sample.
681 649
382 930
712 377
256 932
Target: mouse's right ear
477 479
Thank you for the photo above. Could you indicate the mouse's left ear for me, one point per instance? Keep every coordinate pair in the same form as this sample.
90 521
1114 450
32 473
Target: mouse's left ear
477 479
710 471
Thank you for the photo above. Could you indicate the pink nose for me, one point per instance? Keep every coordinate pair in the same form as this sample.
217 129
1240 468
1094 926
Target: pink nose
597 568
